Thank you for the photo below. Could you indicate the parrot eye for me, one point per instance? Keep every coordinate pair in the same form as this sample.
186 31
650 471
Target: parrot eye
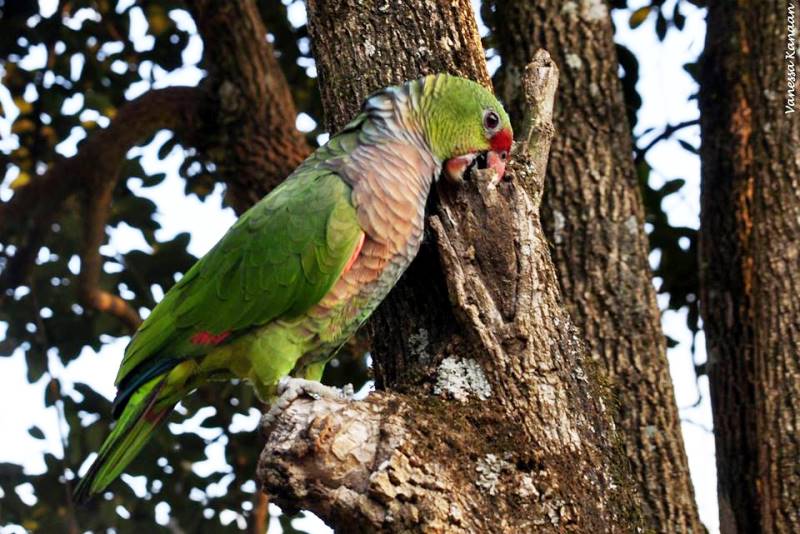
491 120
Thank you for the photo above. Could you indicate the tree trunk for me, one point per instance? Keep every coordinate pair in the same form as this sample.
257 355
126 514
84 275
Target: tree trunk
250 117
592 215
750 261
490 422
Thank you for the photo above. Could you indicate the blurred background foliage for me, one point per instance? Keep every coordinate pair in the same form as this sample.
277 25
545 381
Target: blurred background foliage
92 63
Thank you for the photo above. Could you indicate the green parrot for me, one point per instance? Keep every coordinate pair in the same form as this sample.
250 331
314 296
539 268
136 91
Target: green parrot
302 269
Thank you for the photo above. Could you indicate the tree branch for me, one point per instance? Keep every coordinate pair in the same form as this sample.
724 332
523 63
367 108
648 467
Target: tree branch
34 207
669 130
539 84
592 214
251 135
96 209
361 464
173 108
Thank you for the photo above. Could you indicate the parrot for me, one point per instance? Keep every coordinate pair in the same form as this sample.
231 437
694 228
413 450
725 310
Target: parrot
303 268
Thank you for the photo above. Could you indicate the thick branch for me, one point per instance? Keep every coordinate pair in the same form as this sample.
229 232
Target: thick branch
437 47
539 84
363 459
251 134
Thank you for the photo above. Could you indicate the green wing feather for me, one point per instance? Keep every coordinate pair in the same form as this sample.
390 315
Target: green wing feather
279 259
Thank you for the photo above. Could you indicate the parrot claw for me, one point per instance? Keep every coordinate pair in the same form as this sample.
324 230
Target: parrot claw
290 388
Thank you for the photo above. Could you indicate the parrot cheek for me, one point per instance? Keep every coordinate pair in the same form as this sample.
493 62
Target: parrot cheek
455 168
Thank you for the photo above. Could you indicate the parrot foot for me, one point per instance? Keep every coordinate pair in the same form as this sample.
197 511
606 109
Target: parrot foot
290 388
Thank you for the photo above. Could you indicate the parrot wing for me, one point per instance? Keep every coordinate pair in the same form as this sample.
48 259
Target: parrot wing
279 259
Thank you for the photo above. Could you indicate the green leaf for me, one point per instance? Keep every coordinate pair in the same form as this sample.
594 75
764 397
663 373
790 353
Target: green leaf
693 69
677 17
687 146
150 180
37 364
166 147
138 212
639 16
661 26
96 101
10 472
36 432
672 186
52 392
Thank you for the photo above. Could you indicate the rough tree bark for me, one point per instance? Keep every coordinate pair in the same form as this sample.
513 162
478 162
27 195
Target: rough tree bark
750 261
490 422
250 124
592 214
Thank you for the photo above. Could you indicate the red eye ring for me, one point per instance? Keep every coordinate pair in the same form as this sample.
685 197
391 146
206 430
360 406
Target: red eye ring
491 120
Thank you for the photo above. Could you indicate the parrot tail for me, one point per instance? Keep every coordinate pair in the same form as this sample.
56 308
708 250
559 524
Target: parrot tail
146 410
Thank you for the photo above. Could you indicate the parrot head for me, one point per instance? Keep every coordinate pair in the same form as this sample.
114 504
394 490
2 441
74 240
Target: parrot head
467 128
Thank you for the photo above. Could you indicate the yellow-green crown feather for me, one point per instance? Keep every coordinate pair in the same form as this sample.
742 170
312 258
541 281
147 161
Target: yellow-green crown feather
455 114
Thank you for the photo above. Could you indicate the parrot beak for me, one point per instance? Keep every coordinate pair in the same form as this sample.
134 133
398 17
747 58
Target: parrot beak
458 169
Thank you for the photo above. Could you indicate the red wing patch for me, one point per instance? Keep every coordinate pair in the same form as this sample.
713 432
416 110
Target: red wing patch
155 416
356 252
207 338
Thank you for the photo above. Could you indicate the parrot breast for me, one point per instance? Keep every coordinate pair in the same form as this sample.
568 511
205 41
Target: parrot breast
389 169
390 187
390 172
